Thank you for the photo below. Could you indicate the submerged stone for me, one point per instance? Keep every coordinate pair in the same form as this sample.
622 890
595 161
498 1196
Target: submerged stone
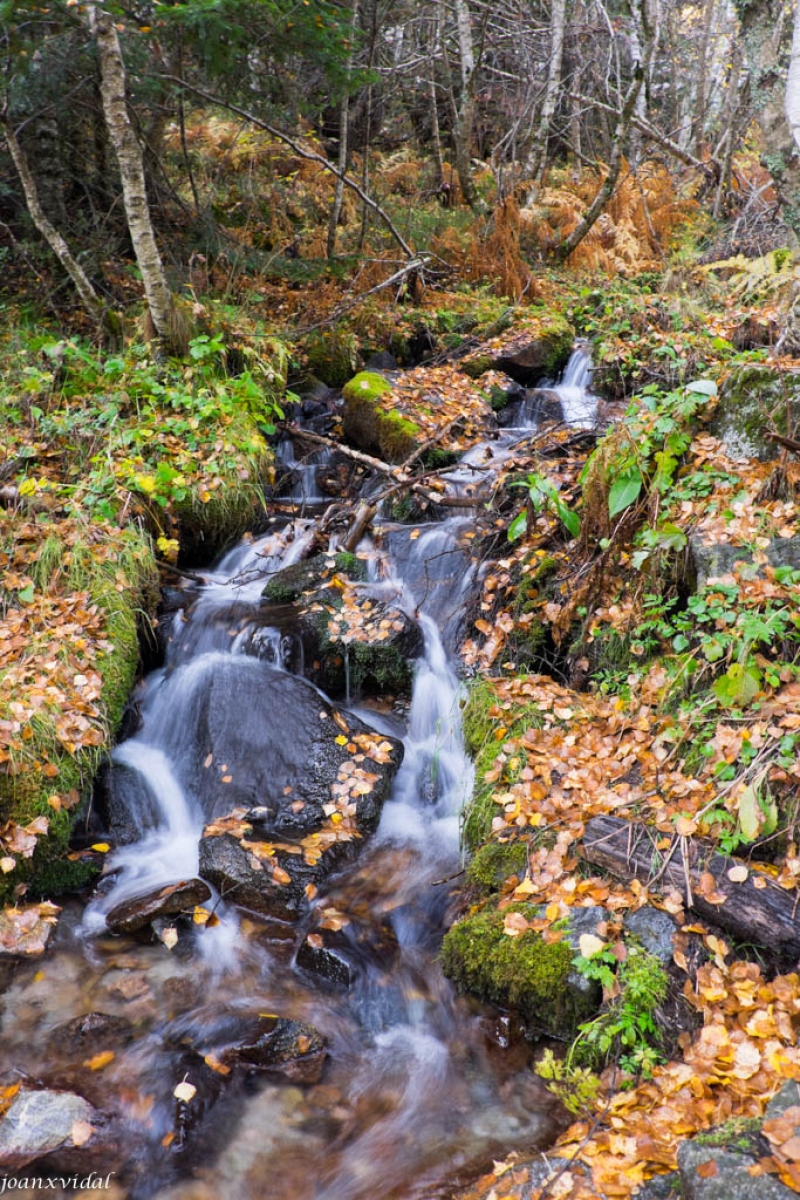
38 1122
263 1042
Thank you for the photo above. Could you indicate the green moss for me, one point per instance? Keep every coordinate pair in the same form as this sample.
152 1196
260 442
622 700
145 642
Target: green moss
496 862
331 355
367 386
482 721
737 1132
376 429
350 565
123 585
524 973
557 338
477 366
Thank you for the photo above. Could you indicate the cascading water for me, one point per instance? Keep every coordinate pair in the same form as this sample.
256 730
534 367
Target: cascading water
415 1088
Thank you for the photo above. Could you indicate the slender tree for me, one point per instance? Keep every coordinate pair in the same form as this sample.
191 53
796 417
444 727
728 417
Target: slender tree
164 314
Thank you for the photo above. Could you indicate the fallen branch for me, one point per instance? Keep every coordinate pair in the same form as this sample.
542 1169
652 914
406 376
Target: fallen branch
750 905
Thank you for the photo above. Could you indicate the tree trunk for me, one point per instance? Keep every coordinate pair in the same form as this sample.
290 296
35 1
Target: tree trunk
537 155
465 116
753 908
344 132
163 311
93 304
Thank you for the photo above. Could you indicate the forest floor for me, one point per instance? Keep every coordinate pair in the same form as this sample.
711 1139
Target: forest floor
629 667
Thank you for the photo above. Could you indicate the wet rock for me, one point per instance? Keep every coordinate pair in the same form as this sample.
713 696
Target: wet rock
25 932
381 361
259 737
92 1032
655 929
543 405
37 1123
258 1042
172 899
711 560
728 1177
329 963
354 639
529 356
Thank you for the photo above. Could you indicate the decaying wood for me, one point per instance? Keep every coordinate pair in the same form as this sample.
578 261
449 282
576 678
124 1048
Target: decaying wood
789 443
754 910
319 439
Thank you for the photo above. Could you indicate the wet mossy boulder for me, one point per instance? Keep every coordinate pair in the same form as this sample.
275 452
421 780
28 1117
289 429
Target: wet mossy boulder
525 973
354 640
494 863
529 356
755 399
374 426
290 584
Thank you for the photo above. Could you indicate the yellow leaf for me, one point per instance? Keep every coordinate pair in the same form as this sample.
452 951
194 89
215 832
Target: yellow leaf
101 847
100 1060
185 1091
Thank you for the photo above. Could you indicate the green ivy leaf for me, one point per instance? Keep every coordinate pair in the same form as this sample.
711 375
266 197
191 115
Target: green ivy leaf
517 527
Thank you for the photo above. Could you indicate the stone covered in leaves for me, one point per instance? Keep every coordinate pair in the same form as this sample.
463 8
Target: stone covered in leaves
536 352
354 640
312 801
174 898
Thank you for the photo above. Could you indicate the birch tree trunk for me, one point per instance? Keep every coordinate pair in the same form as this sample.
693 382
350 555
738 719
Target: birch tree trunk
344 134
465 116
93 304
163 312
537 155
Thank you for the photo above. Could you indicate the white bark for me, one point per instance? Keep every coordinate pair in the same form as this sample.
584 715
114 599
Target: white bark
537 156
131 168
793 82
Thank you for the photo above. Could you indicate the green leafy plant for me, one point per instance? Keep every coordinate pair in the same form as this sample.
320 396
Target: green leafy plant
543 495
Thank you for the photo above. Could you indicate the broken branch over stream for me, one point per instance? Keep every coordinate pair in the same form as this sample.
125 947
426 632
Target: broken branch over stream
724 890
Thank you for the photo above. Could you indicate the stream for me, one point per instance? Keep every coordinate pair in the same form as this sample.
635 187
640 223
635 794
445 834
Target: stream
419 1087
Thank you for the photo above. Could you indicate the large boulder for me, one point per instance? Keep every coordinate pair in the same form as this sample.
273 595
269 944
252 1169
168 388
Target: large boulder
372 423
258 737
753 400
529 356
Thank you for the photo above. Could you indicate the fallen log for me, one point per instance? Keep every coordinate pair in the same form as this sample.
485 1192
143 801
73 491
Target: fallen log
723 890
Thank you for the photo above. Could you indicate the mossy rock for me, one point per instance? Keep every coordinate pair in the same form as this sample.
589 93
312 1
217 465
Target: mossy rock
288 585
368 424
530 356
494 863
46 768
524 973
481 719
755 399
331 356
343 668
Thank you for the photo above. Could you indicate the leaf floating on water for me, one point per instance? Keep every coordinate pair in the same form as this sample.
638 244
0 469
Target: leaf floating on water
169 937
185 1092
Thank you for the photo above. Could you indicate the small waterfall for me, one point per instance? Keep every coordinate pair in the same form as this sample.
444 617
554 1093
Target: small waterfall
578 403
304 472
